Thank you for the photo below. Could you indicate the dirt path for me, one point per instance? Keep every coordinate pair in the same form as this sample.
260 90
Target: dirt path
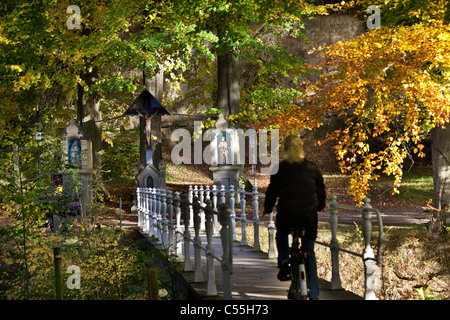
389 216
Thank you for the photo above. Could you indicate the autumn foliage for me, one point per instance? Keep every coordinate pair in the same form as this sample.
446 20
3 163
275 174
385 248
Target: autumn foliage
392 86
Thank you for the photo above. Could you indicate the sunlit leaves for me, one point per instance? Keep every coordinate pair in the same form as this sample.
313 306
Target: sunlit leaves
392 86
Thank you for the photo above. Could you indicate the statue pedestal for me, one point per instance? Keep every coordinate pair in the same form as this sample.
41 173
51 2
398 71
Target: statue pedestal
151 177
226 175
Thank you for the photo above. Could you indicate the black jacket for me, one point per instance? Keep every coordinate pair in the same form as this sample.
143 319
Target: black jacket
300 191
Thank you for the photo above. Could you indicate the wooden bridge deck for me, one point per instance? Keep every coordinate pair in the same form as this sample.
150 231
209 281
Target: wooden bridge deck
254 277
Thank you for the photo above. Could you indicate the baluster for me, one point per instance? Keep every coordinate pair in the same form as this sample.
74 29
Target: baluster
232 213
202 212
214 200
147 211
255 204
334 245
163 218
271 230
368 255
187 235
170 222
139 195
207 194
152 206
195 194
138 200
211 289
141 205
153 212
191 212
237 195
158 216
227 267
222 194
198 275
243 218
144 209
178 231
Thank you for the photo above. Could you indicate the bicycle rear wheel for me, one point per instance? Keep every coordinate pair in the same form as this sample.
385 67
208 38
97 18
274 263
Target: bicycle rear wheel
303 281
299 282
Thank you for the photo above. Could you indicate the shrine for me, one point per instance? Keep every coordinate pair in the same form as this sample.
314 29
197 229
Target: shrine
78 155
225 154
152 172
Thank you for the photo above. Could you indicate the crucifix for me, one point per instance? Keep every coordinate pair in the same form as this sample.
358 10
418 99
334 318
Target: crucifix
150 111
148 137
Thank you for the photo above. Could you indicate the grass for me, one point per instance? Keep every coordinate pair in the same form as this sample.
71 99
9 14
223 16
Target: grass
416 189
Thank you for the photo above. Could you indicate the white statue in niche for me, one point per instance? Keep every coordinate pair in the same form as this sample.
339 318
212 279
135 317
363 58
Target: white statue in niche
224 151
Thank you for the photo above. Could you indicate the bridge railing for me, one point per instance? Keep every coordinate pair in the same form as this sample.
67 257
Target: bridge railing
203 208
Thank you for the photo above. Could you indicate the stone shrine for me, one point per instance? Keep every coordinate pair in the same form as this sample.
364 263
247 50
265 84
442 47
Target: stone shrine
78 155
225 154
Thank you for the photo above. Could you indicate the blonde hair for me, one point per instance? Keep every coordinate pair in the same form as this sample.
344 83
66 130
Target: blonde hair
293 147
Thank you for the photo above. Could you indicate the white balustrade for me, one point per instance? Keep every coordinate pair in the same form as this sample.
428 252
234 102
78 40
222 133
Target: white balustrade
160 211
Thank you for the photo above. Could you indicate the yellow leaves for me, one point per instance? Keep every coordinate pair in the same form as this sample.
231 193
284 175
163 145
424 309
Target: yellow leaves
393 86
16 68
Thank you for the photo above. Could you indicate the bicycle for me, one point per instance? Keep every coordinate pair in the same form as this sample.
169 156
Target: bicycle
299 287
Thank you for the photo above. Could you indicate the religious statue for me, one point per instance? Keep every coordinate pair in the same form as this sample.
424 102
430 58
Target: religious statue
223 151
74 152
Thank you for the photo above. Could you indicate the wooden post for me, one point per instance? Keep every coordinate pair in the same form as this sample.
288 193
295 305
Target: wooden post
120 208
152 280
58 273
334 245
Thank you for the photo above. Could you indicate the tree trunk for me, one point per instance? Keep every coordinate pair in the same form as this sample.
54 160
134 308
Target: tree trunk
90 118
228 87
440 145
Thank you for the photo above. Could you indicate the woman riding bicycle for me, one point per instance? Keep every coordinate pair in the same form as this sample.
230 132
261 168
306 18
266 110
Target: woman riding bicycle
298 185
